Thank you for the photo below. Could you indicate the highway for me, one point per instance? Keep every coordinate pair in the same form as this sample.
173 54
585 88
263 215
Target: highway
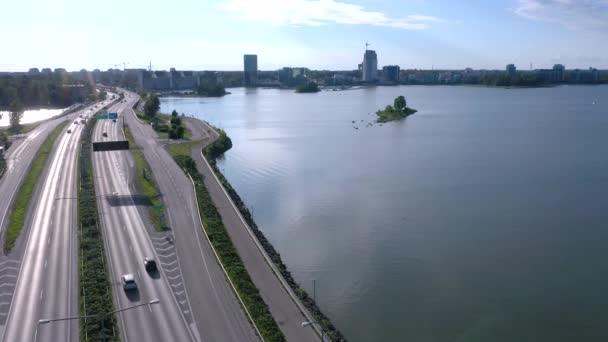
47 283
215 308
127 242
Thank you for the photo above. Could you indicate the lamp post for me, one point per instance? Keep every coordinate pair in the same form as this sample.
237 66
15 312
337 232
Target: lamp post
101 317
311 323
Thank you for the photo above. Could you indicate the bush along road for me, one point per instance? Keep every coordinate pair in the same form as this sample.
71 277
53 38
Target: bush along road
95 289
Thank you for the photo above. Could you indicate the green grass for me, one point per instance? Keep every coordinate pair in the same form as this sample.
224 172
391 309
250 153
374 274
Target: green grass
392 115
183 148
216 231
217 148
164 119
2 166
22 202
146 185
95 286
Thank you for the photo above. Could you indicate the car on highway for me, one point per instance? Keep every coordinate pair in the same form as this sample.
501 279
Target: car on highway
150 264
69 131
105 134
113 120
128 282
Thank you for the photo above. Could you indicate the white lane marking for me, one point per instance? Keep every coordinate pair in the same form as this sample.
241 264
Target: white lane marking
48 242
10 268
41 293
170 263
4 262
45 262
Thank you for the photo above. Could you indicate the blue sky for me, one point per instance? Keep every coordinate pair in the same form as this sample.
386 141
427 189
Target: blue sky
319 34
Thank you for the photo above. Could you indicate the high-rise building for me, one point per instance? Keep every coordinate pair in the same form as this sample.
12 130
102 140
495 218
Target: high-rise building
370 66
251 70
511 69
391 73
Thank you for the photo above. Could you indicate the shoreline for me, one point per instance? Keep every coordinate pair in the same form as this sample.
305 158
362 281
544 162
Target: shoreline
330 330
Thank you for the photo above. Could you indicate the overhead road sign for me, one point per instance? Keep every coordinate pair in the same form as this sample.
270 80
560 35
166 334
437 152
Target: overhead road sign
110 145
101 116
112 115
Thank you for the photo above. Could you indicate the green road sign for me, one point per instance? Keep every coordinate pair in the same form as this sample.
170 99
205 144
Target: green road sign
101 116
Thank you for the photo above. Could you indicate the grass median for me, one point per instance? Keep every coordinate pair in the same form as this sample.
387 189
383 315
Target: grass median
22 202
216 231
146 185
95 285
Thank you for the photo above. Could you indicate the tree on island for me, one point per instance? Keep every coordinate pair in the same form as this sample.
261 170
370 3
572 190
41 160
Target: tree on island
309 87
399 110
400 103
211 89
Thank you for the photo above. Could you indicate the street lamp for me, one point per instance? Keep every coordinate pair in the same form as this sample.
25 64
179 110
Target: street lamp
101 317
311 323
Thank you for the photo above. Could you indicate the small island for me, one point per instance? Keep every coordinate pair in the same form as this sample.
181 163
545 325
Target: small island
398 111
309 87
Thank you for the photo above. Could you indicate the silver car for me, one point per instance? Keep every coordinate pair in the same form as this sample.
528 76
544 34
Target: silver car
128 282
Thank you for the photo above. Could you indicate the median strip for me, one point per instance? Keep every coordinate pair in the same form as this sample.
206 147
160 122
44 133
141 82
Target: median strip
146 185
22 202
95 285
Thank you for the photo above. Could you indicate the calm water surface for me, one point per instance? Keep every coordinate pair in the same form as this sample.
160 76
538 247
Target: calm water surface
483 217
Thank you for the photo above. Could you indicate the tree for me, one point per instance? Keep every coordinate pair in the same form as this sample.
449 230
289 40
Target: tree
400 103
174 113
179 132
16 114
176 121
152 106
4 140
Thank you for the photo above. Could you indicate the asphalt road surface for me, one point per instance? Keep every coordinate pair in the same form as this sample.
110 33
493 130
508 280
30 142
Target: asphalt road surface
47 284
127 243
215 308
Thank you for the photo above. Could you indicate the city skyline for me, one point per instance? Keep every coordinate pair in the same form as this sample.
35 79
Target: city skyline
321 35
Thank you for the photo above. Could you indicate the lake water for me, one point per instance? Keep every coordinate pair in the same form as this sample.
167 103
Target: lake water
30 116
483 217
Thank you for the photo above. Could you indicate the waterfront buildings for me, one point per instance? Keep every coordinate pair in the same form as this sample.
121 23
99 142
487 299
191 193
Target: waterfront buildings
250 77
511 70
390 74
370 66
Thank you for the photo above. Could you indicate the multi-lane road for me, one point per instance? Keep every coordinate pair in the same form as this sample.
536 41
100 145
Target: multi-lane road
196 302
213 306
127 243
47 283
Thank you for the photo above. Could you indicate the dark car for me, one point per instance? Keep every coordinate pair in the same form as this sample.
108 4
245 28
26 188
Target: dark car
113 120
150 264
104 134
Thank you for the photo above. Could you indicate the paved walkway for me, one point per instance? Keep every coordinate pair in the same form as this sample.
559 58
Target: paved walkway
284 310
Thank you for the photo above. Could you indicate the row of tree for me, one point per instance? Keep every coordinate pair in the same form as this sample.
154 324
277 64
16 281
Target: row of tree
44 91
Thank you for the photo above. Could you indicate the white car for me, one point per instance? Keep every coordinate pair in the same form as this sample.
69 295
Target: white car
128 282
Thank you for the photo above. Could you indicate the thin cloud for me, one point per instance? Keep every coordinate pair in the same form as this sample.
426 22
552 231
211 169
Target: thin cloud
574 14
319 13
